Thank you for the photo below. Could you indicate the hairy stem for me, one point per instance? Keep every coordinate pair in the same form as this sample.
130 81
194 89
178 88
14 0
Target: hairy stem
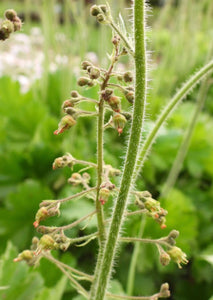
126 181
179 96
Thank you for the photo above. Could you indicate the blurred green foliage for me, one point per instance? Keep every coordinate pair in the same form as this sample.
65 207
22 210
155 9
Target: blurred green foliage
180 40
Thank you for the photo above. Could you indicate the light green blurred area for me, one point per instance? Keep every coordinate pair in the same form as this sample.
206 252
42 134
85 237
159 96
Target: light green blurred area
179 43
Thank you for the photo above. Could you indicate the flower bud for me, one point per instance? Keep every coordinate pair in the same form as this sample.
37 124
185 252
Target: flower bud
116 40
119 122
85 64
17 24
104 194
47 242
41 215
26 255
66 123
74 94
103 8
115 103
173 234
101 19
82 81
75 179
46 229
94 73
8 26
94 10
4 34
178 256
128 77
58 163
164 290
164 257
130 96
10 14
67 103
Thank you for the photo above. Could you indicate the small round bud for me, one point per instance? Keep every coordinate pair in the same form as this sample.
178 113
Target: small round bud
17 24
103 8
164 259
10 14
116 40
8 26
101 18
26 255
4 34
130 96
46 242
94 73
85 64
128 77
75 179
94 10
173 234
115 103
74 94
82 81
66 123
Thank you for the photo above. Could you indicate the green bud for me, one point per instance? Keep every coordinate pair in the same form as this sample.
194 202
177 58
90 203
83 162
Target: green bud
75 179
103 8
82 81
26 255
46 242
94 10
85 65
128 77
17 24
74 94
130 96
10 14
119 122
104 194
65 123
101 19
8 26
173 234
164 259
115 103
94 73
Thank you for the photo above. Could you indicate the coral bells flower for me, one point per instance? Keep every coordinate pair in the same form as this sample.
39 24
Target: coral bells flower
104 195
178 256
65 123
119 122
44 212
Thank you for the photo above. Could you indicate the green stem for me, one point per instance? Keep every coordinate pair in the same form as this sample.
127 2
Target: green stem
99 208
134 259
179 96
131 157
153 297
178 163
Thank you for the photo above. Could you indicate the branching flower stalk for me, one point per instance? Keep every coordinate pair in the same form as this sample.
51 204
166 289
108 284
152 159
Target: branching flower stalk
109 231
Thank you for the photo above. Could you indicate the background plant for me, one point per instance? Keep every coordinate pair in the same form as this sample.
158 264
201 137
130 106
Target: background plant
26 166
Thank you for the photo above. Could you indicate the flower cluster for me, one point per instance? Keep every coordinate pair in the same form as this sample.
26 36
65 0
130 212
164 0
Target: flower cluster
144 200
11 24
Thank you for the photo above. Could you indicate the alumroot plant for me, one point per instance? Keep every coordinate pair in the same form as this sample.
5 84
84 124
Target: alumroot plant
133 85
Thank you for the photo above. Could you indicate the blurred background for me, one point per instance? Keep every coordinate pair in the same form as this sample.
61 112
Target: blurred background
39 66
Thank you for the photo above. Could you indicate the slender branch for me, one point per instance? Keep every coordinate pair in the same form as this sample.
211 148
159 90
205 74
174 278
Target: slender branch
73 270
160 241
179 96
69 226
78 195
83 162
124 39
136 128
153 297
77 285
83 238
